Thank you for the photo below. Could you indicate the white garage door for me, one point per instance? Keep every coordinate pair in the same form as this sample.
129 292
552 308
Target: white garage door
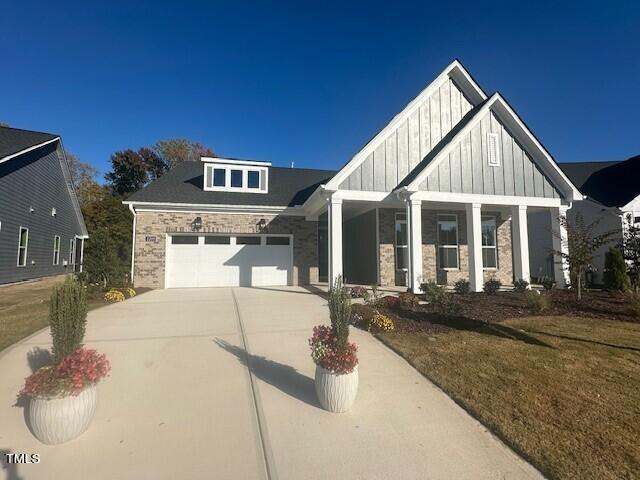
228 260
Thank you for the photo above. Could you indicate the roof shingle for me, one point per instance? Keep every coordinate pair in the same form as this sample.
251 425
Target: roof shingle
14 140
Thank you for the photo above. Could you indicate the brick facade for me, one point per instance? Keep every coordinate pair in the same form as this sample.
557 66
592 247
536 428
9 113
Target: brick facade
152 229
390 276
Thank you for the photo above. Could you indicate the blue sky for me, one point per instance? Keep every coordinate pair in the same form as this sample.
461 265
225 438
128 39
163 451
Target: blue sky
312 82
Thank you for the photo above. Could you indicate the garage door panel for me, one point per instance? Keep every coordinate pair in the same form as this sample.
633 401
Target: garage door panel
222 263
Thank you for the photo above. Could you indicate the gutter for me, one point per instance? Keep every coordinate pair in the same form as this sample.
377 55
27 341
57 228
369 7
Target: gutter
133 241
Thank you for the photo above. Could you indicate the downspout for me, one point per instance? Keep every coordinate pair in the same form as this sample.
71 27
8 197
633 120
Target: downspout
133 241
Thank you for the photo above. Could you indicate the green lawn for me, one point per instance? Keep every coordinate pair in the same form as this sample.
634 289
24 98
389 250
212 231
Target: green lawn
24 309
562 391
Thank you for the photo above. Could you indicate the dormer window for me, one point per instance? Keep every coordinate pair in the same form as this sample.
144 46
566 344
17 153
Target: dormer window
235 175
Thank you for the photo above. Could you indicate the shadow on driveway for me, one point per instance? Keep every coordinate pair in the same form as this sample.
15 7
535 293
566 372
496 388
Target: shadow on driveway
284 377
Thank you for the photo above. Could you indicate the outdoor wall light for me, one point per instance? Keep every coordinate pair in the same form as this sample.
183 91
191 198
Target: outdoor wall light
261 224
196 225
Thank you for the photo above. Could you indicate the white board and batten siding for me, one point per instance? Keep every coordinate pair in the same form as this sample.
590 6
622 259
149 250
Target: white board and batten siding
404 148
466 168
231 264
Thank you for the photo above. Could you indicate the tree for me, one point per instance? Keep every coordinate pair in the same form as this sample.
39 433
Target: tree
153 163
177 150
80 171
582 243
615 271
631 250
128 172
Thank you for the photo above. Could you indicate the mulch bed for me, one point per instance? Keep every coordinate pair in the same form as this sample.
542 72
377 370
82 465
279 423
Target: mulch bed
479 309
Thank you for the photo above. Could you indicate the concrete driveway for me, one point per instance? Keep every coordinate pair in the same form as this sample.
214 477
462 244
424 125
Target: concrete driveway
185 400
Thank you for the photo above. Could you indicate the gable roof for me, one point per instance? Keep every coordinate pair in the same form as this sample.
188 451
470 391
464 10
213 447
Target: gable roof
14 141
499 106
613 184
455 71
184 183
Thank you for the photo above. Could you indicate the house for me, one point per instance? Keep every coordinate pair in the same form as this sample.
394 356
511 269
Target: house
612 196
441 192
42 232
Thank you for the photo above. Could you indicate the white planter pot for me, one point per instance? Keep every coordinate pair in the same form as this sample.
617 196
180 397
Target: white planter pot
59 420
336 392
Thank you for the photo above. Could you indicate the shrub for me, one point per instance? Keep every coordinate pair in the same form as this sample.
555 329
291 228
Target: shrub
615 275
462 286
374 298
356 318
70 376
633 302
340 313
358 292
432 291
381 323
537 302
131 292
547 283
492 286
520 286
446 304
114 295
67 317
390 302
408 299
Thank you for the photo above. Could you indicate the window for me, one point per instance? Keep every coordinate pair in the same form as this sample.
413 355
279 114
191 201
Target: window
184 240
448 242
636 220
253 179
493 152
489 245
402 242
219 177
236 178
277 240
23 242
217 240
72 251
248 241
56 250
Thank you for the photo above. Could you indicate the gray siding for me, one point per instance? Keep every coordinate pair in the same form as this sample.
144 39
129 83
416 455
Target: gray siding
404 148
36 180
466 168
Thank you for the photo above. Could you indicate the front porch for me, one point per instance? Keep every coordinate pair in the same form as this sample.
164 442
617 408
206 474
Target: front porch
399 244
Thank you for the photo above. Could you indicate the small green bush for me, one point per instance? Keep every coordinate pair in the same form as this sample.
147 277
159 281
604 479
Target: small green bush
520 286
446 304
432 291
462 286
492 286
537 302
373 298
67 317
615 275
547 283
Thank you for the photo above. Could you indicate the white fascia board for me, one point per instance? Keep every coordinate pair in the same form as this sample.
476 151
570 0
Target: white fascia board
447 197
632 206
507 115
214 208
231 161
453 70
26 150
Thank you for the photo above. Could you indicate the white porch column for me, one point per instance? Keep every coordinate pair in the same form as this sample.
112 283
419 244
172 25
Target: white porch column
520 242
559 243
414 217
474 242
334 210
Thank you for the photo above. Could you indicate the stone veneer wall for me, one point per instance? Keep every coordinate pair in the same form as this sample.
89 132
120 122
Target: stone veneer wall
149 265
388 274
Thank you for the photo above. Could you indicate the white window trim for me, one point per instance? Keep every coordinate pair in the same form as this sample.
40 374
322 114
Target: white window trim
456 246
56 252
208 173
72 253
395 240
494 247
26 247
496 154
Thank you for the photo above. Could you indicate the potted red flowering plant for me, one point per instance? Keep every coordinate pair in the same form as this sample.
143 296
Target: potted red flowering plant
63 396
335 357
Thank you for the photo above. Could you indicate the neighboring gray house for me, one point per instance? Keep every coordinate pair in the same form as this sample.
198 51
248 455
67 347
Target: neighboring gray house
441 192
42 231
612 194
